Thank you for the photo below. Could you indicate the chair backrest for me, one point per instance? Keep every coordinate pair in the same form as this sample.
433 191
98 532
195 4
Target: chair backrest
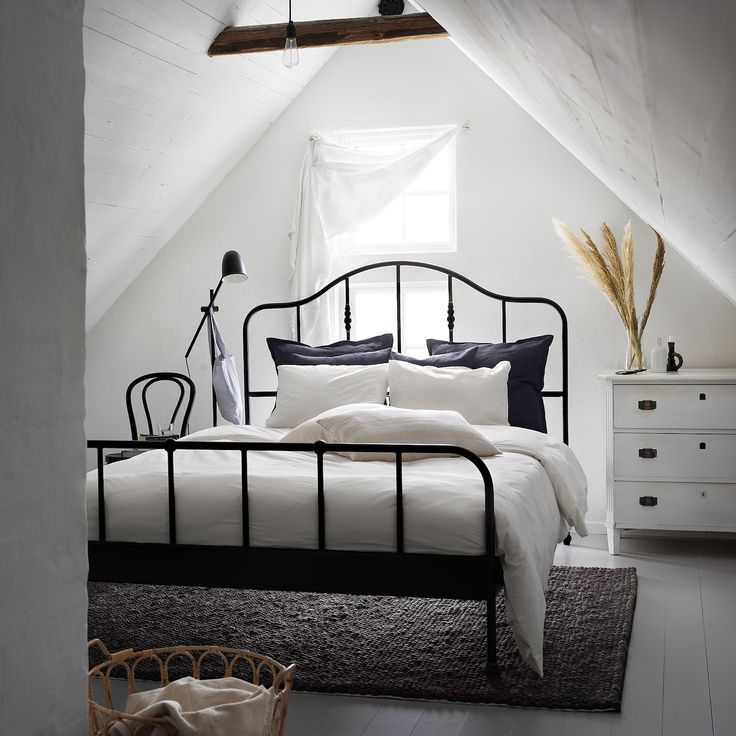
180 380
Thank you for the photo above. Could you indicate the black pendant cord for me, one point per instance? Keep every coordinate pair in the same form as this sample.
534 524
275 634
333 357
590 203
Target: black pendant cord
290 27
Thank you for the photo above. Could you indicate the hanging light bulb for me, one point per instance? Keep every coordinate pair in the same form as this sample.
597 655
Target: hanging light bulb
291 51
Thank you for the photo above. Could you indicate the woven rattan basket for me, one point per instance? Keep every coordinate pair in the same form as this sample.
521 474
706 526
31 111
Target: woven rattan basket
183 660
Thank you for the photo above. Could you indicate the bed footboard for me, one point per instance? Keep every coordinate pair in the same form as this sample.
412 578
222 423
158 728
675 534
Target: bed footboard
400 573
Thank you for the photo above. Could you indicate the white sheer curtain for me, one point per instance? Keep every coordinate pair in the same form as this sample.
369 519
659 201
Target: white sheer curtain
340 189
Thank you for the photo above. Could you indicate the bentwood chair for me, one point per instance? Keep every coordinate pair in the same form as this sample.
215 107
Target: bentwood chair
186 389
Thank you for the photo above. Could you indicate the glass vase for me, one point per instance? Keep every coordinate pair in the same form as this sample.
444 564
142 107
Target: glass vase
634 356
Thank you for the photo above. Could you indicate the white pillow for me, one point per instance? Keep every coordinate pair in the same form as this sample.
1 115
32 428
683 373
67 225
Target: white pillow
307 390
376 423
479 394
311 430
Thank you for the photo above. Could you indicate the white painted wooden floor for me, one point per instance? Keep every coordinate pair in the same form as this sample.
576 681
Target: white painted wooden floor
680 676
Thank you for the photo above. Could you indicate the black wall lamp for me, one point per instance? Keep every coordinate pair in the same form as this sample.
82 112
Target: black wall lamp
233 272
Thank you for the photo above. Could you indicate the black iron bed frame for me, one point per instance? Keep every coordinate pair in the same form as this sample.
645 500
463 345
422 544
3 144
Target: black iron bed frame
400 573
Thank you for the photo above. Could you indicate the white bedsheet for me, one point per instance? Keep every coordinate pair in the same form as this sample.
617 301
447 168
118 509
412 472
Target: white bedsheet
540 491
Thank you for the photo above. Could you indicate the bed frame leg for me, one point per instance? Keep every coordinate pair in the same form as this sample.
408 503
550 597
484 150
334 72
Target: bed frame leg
492 670
491 664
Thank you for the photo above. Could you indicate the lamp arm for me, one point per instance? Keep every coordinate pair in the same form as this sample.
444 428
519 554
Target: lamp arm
202 321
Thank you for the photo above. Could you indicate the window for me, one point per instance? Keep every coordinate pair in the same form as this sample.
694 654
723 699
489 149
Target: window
423 312
422 218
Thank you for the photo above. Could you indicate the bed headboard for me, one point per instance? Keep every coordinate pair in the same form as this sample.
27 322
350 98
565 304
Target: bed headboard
398 268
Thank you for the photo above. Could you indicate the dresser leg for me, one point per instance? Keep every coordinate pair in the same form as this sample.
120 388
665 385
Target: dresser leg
614 540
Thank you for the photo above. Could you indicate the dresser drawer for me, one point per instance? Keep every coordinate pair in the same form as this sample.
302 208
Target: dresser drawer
675 406
674 456
675 505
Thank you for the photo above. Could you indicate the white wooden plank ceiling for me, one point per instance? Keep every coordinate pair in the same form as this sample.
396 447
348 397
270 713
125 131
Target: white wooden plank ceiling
165 123
642 92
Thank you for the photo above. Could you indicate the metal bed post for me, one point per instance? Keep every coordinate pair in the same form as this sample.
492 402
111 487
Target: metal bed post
490 555
246 372
319 450
450 310
398 307
101 528
170 447
245 509
565 425
399 503
348 320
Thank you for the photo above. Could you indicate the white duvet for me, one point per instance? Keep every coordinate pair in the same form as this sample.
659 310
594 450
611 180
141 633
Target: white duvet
540 492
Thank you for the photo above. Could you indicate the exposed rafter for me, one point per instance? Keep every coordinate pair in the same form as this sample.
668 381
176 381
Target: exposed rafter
333 32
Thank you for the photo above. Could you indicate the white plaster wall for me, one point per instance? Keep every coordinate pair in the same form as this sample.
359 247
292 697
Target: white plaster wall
43 562
513 178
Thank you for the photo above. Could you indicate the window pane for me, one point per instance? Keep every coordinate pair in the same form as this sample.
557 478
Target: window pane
427 218
436 176
411 224
425 315
373 311
386 227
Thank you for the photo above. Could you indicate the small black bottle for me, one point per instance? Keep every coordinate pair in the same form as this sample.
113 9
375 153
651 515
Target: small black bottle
674 360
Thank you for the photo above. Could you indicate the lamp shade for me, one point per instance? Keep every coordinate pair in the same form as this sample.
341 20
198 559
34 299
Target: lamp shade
233 268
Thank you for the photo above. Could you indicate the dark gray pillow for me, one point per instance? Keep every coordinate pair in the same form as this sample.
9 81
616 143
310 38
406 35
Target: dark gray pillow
366 357
282 350
528 358
463 358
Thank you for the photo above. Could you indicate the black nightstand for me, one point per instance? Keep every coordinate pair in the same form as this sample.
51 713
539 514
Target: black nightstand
114 457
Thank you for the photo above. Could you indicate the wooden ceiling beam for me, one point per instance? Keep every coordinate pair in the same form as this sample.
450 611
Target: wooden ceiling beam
333 32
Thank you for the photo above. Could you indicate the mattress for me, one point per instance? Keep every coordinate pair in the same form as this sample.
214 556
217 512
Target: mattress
539 493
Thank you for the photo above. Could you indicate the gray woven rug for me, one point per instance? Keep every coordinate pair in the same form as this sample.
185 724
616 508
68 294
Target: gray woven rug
426 649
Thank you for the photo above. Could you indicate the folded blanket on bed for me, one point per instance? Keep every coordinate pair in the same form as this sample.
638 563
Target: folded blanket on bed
563 468
221 707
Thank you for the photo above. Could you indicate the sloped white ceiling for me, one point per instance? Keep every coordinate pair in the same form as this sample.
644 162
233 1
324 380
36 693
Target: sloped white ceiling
165 123
642 92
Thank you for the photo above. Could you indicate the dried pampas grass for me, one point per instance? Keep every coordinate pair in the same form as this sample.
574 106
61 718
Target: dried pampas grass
612 270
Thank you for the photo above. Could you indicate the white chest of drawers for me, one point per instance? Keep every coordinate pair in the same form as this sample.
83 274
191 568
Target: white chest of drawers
671 452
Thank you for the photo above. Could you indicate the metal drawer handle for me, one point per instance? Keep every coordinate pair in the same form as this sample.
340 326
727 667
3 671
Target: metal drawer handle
647 452
647 404
647 500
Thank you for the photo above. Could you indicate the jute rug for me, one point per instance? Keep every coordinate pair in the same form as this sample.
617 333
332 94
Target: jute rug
426 649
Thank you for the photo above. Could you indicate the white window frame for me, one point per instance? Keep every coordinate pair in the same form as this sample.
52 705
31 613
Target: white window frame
347 245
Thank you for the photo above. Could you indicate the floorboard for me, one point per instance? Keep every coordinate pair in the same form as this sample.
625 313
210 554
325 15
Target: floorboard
718 591
439 719
329 714
398 717
686 697
485 721
589 724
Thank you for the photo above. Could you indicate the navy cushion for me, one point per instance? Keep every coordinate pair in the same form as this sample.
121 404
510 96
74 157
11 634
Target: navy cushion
463 358
366 357
282 350
528 358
